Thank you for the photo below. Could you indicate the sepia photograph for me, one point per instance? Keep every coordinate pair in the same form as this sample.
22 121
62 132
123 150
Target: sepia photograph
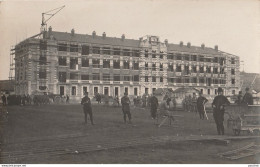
129 82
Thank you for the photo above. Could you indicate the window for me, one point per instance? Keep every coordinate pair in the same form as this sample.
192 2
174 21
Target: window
154 89
135 91
73 63
201 58
178 68
126 52
85 89
96 77
208 91
116 64
153 54
146 90
215 81
126 65
84 77
194 69
136 53
126 90
179 80
106 77
232 60
62 47
215 60
116 77
42 60
194 57
95 63
106 64
194 80
153 67
170 67
208 70
73 48
208 59
42 74
85 62
42 87
161 55
222 70
187 57
201 69
216 91
170 56
126 78
161 67
233 92
146 78
233 81
153 79
85 50
146 53
161 79
136 78
186 70
146 66
96 50
95 90
73 76
73 90
62 76
221 61
215 70
136 65
232 71
116 51
201 90
186 80
202 80
171 80
43 45
62 61
178 57
106 51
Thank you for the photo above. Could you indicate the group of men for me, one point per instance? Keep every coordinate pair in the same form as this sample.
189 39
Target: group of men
218 105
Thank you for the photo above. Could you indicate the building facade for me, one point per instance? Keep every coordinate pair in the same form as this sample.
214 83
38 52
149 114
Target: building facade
70 64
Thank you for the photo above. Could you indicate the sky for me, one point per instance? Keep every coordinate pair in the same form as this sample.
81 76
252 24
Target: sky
233 25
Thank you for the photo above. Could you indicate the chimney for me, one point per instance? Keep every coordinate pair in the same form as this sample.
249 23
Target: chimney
104 35
72 32
203 46
181 43
166 41
123 37
216 47
188 44
94 34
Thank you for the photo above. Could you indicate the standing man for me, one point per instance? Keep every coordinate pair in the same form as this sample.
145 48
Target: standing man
248 98
87 108
219 109
154 106
194 103
68 99
125 101
200 105
4 100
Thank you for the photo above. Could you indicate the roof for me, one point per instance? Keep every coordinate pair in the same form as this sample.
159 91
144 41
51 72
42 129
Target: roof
6 85
64 36
250 80
193 49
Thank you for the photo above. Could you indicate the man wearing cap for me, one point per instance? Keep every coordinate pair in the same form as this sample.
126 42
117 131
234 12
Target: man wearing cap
87 108
125 101
200 105
248 98
219 109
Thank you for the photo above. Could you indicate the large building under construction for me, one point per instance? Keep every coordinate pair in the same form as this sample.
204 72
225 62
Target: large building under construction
70 64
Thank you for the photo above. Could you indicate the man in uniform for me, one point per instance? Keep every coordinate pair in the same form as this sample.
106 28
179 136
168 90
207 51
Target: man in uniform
248 98
200 105
219 109
125 101
87 108
154 106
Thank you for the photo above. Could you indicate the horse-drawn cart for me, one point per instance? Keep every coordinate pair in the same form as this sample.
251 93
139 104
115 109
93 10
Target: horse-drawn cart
244 118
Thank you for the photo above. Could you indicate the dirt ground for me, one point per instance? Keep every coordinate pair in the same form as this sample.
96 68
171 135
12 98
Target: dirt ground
52 127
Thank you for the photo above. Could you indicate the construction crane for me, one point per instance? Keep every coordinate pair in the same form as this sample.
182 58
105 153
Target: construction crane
49 13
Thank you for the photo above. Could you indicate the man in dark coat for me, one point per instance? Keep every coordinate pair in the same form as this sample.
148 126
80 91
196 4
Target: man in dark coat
154 106
4 100
239 98
200 105
248 98
125 101
218 106
87 108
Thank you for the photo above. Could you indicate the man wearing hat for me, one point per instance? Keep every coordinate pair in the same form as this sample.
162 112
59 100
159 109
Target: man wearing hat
87 108
219 109
125 101
248 98
200 105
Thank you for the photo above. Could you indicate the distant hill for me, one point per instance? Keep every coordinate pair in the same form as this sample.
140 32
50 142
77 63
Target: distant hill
250 80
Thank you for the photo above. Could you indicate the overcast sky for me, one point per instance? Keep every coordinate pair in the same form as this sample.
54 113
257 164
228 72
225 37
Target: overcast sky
233 25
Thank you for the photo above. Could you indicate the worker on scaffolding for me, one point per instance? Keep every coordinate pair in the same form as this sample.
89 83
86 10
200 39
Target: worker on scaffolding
87 108
218 106
248 98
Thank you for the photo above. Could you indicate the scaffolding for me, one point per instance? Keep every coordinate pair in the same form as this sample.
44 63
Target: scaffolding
12 64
